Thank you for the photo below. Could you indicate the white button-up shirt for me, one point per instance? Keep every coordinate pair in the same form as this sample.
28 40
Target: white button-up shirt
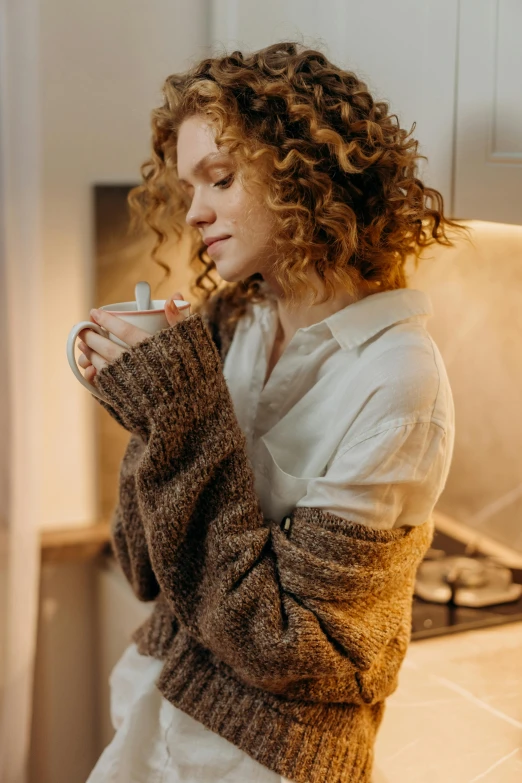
357 416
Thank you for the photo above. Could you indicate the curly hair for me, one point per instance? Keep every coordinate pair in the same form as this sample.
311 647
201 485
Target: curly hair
339 172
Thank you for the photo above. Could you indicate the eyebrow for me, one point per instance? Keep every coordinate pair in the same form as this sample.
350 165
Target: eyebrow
213 158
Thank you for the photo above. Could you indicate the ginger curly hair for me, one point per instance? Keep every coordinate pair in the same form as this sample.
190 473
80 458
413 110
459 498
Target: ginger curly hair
339 172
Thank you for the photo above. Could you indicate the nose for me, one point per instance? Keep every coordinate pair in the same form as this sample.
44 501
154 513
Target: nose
200 211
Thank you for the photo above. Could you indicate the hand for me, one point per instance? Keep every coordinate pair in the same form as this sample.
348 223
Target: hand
98 351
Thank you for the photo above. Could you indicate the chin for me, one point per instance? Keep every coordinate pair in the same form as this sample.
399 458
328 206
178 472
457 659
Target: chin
234 271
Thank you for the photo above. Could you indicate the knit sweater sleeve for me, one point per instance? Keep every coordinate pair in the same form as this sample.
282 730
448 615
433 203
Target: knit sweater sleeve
129 543
317 598
127 534
212 311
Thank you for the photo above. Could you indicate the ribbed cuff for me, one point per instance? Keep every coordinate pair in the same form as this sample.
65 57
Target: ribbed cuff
172 373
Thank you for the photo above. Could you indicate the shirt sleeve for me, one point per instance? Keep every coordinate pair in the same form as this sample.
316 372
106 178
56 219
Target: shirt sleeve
386 479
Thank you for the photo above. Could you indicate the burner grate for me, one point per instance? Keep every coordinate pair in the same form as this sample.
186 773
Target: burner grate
435 619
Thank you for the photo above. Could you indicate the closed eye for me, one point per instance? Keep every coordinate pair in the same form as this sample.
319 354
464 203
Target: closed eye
224 183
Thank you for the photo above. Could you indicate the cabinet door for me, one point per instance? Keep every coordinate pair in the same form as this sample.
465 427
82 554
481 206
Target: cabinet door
488 161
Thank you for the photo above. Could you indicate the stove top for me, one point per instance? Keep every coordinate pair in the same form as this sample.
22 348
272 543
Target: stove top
437 619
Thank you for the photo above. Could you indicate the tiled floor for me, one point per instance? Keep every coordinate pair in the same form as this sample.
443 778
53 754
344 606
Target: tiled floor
456 716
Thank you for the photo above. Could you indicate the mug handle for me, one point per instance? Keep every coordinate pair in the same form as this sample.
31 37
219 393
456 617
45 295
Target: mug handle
73 334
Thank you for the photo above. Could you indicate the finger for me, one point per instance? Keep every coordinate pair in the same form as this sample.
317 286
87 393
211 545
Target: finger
177 295
129 334
84 362
94 358
90 373
89 338
102 346
172 312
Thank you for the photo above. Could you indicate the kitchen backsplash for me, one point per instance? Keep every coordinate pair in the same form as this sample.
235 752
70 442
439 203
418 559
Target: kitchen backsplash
476 290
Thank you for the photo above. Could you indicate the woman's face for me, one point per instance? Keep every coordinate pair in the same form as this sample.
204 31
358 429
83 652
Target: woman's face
222 205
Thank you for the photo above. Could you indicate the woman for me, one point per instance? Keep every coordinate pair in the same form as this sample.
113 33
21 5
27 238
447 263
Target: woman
289 440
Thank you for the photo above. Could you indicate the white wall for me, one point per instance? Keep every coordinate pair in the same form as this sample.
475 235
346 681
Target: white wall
102 67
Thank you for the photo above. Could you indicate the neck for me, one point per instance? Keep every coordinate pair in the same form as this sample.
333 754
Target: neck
297 317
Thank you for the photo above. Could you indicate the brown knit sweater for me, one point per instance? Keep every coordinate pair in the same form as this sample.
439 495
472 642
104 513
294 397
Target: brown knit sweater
283 636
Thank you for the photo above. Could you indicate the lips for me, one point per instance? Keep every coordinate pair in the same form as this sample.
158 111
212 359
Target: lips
216 244
214 238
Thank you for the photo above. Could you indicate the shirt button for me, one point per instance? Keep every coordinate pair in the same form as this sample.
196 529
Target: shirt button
302 350
286 524
272 406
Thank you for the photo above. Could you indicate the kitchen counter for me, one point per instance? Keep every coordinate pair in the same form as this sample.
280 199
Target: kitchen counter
456 716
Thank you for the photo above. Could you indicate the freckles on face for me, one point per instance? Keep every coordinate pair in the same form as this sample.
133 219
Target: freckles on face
221 202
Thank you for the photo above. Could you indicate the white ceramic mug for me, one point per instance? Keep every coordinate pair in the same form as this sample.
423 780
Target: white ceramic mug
151 321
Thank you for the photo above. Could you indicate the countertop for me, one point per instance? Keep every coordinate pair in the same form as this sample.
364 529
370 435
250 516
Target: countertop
456 716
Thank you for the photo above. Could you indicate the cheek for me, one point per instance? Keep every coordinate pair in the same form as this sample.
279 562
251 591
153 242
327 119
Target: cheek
243 205
252 219
261 228
238 207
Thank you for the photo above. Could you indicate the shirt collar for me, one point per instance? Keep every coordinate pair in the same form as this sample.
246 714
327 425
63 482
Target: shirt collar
358 322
